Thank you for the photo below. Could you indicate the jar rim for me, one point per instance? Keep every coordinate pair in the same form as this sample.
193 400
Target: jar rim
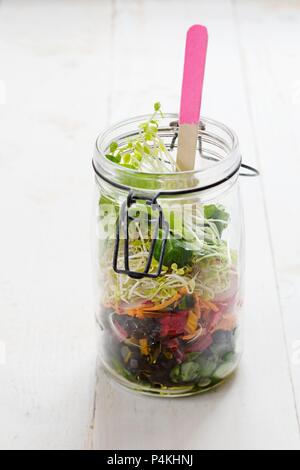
222 169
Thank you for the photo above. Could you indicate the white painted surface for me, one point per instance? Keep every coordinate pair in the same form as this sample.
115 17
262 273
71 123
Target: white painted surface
67 70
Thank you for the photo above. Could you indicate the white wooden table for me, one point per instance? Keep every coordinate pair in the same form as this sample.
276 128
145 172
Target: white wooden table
67 70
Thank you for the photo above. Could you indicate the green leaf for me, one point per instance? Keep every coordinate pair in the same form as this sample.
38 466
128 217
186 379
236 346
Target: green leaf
157 106
148 136
113 158
126 158
146 149
138 155
177 251
144 126
113 147
131 166
139 147
218 213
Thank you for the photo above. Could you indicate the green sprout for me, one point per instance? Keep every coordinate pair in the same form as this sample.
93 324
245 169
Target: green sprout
146 152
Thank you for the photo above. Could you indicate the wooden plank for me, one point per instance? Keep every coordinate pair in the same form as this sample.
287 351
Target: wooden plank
269 35
251 411
53 56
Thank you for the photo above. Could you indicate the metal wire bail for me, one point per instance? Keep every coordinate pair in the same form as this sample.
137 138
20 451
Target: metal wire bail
161 226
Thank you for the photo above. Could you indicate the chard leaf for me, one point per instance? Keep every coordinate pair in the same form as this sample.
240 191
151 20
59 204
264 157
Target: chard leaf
177 251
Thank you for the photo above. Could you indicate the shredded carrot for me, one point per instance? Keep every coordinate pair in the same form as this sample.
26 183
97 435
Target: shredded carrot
141 311
168 302
209 305
144 347
135 312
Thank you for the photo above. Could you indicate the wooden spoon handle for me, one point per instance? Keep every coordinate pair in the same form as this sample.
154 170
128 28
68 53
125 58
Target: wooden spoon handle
191 94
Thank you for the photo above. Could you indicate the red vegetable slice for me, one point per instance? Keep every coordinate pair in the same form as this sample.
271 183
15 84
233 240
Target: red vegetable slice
173 324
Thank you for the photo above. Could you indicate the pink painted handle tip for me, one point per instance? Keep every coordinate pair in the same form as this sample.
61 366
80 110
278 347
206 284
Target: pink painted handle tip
193 74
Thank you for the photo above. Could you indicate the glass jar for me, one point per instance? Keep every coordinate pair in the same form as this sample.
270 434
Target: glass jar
169 264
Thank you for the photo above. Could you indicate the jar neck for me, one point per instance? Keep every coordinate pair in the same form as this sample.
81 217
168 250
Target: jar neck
216 169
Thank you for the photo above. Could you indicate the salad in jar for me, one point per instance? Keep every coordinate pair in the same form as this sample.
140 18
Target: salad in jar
175 330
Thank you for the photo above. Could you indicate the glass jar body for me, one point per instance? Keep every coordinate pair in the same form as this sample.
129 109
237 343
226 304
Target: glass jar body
180 333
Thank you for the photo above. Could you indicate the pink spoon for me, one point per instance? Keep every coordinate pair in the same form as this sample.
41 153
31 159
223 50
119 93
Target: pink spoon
191 94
